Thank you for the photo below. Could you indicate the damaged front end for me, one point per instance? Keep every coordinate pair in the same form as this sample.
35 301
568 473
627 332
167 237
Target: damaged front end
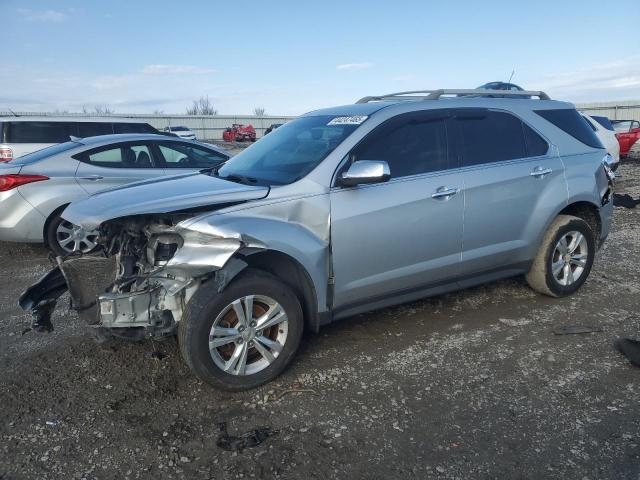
139 285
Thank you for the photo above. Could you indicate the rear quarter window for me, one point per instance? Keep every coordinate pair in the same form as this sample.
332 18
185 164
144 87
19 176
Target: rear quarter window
571 122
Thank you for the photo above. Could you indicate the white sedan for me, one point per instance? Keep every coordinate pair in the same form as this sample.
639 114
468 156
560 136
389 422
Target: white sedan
607 137
182 132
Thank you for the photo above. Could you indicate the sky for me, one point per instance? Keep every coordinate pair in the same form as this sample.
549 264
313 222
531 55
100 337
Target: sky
290 57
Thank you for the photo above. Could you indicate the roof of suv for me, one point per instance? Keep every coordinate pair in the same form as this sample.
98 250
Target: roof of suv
486 102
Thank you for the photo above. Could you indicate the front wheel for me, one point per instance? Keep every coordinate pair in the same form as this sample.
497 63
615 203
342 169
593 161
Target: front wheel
244 336
565 257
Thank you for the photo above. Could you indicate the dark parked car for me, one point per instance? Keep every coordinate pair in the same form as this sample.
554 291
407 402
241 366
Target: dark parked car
272 127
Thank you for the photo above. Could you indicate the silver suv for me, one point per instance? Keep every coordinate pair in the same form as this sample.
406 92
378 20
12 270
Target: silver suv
338 212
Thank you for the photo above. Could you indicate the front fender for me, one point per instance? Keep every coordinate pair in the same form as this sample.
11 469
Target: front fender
298 228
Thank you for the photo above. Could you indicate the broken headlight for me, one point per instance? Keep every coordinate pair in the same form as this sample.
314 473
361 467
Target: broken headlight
162 248
607 163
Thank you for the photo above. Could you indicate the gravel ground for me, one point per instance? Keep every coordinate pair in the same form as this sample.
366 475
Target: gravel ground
467 385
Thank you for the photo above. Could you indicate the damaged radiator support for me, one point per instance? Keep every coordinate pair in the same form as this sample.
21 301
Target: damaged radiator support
87 277
139 287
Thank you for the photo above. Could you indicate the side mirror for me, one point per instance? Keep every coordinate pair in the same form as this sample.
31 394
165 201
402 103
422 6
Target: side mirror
365 172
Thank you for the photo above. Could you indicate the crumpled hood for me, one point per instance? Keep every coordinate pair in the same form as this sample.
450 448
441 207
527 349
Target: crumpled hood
159 195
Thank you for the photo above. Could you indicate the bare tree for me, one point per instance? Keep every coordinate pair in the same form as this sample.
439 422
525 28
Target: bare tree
158 112
84 109
259 111
102 110
58 111
202 106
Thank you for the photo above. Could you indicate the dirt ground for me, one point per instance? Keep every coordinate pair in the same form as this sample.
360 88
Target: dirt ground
467 385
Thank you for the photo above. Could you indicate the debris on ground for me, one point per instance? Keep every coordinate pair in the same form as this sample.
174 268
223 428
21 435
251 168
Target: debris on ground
252 438
576 329
158 355
625 201
630 348
274 396
514 323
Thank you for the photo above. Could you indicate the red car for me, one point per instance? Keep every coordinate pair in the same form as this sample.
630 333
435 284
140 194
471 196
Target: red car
239 133
628 133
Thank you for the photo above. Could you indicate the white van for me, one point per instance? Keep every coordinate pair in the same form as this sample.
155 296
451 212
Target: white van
22 135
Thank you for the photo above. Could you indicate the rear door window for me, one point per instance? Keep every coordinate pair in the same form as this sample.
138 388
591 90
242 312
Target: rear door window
571 122
121 156
38 132
487 136
183 155
411 144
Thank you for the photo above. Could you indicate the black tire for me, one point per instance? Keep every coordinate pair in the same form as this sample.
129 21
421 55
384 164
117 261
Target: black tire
204 308
52 239
540 277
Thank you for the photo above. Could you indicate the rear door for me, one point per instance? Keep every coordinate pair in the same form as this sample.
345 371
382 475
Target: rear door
405 235
513 183
115 165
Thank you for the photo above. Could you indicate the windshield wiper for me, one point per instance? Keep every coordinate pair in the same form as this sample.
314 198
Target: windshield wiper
240 179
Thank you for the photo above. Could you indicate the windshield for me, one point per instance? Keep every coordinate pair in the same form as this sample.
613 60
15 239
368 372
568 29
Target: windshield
622 125
290 152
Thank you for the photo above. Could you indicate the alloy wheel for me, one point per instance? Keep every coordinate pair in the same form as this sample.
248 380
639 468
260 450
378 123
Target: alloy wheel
569 258
248 335
72 238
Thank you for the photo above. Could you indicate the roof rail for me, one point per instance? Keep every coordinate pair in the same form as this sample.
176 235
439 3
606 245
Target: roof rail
436 94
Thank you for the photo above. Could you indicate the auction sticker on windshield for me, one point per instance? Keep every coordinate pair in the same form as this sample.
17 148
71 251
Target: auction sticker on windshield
353 120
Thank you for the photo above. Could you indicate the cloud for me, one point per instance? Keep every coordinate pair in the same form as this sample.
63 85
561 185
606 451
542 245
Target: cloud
613 81
160 69
47 16
352 67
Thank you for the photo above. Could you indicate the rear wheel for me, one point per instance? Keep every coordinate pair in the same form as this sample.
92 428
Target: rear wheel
244 336
565 257
64 238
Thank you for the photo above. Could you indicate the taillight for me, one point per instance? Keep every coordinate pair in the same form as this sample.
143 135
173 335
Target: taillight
8 182
6 154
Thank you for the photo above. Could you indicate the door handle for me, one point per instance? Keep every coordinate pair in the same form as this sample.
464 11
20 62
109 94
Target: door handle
92 178
444 192
540 172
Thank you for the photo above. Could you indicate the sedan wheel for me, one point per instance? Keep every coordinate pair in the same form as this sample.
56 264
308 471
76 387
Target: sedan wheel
72 238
